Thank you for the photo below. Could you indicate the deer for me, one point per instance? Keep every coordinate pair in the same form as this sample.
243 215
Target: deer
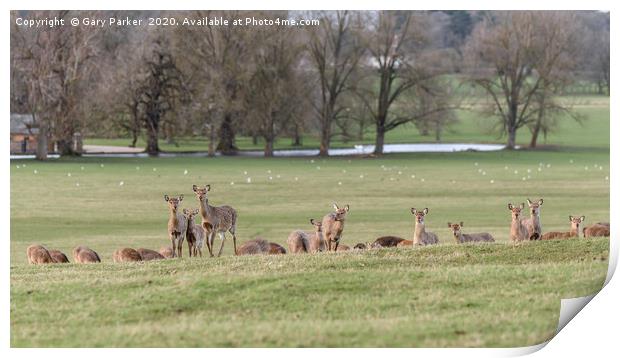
596 230
126 254
420 236
216 219
302 241
58 256
343 247
333 224
177 224
367 246
460 238
195 233
148 254
38 255
166 252
532 223
275 249
518 230
575 221
388 241
260 246
84 255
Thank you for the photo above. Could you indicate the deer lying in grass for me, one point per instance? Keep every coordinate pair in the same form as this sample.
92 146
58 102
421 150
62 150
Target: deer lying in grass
195 233
58 256
518 231
333 224
367 246
534 229
148 254
575 221
216 219
460 238
177 225
388 241
343 247
596 230
84 255
260 246
302 241
166 252
38 255
126 254
420 235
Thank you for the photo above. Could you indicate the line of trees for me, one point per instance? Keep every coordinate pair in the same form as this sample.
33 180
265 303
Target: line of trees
357 72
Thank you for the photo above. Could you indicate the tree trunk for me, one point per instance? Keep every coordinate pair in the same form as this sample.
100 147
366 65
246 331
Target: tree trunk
65 147
512 137
296 137
325 140
380 138
227 136
268 147
538 125
42 141
512 126
152 144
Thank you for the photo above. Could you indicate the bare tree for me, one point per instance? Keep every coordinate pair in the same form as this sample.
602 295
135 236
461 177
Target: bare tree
399 56
335 52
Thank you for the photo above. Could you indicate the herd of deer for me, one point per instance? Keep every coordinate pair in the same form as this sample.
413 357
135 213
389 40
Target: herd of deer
325 237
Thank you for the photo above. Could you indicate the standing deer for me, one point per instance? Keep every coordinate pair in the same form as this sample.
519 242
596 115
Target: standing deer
302 241
333 224
460 238
420 236
575 221
177 225
534 230
195 233
518 231
216 219
38 254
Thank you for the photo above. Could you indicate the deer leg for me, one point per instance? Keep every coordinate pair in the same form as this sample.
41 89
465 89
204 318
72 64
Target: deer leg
232 231
337 242
223 238
174 246
180 247
210 242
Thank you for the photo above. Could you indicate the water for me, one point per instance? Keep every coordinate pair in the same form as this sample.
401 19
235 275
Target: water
356 150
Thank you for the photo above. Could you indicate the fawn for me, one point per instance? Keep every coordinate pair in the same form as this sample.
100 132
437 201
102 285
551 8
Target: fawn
148 255
420 236
126 254
216 219
518 231
195 233
177 225
58 256
302 241
84 255
333 224
460 238
532 223
575 221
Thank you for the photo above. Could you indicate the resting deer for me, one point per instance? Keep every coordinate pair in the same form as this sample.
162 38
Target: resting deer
166 252
420 236
58 256
126 254
596 230
216 219
388 241
195 233
367 246
84 255
148 255
260 246
575 221
460 238
275 249
534 230
38 255
518 231
333 224
177 225
343 247
300 241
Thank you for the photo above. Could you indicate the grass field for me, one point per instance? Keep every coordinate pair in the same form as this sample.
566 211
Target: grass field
449 295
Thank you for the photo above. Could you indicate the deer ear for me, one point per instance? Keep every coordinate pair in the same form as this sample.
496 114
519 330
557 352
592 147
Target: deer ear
425 211
185 211
461 224
195 211
540 202
312 221
583 218
208 187
181 197
346 208
449 224
529 202
166 197
510 206
570 218
335 206
194 188
413 211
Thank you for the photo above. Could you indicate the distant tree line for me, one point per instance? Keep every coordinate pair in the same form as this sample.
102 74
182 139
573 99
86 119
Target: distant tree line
358 72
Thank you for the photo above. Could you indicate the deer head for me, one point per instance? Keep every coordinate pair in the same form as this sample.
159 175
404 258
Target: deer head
190 214
419 215
456 228
535 207
341 213
575 222
201 193
173 203
516 210
317 225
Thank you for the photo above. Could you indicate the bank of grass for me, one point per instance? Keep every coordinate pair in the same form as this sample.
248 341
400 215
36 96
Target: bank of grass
490 295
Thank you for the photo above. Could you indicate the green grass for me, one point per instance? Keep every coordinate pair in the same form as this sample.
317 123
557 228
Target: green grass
494 295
